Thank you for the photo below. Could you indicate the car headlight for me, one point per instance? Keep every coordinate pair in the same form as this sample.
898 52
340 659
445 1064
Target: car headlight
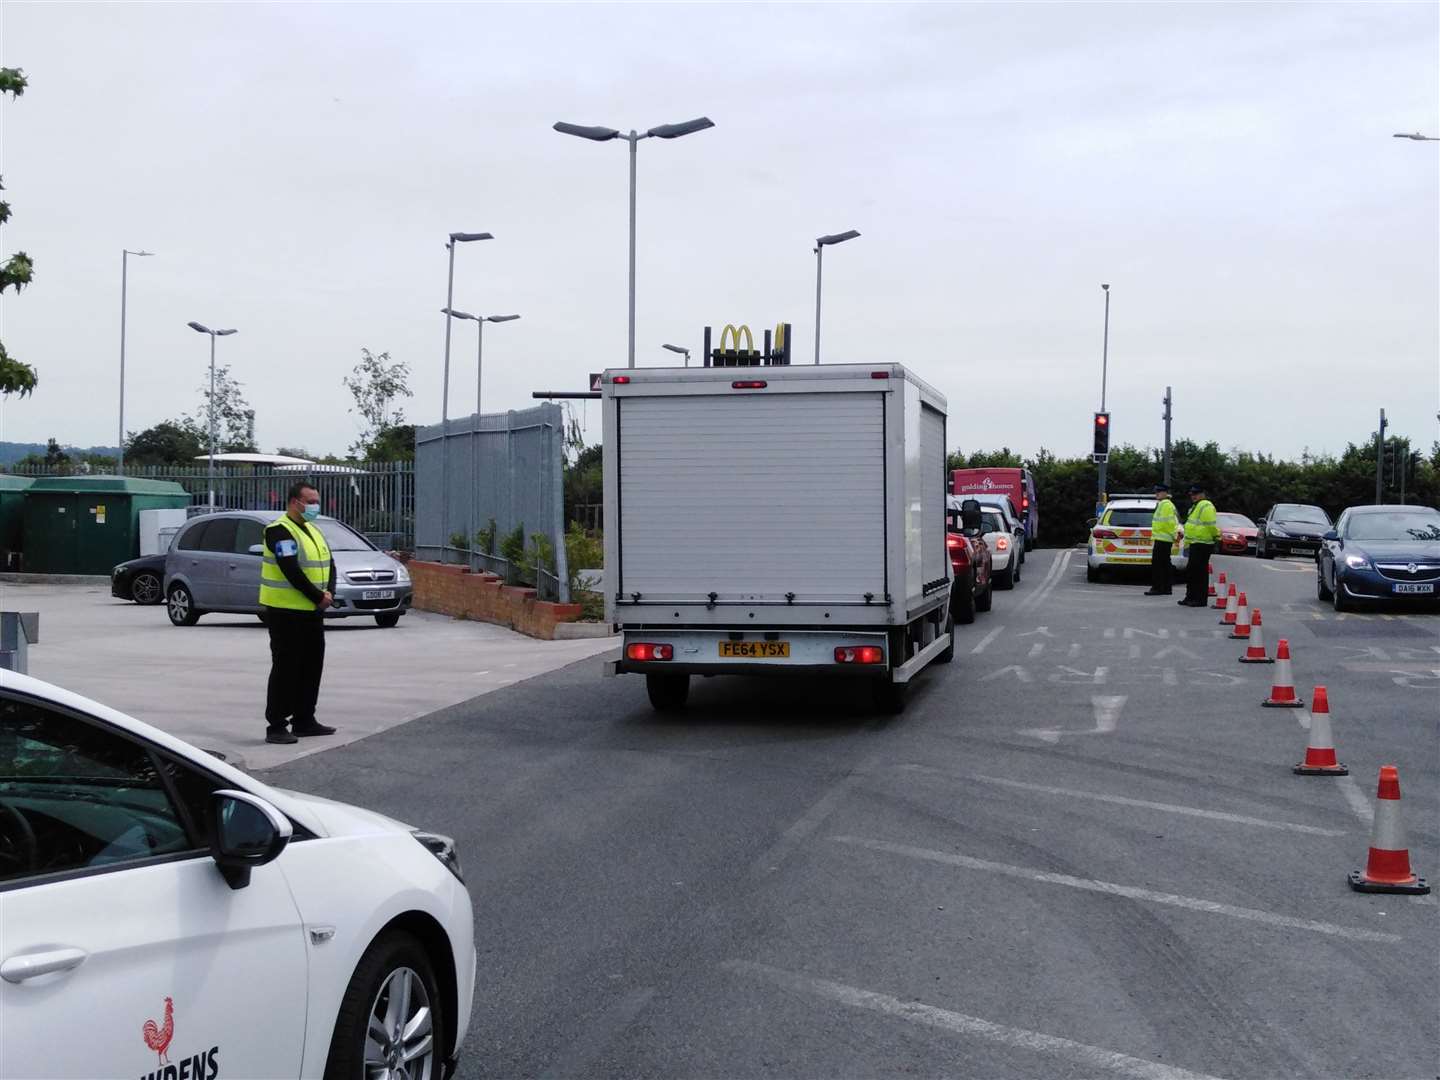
443 848
402 575
1277 532
1357 562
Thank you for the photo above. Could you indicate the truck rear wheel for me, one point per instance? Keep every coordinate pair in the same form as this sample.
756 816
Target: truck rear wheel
668 693
889 696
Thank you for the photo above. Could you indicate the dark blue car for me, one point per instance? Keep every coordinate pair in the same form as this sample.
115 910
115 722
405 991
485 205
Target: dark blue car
1380 554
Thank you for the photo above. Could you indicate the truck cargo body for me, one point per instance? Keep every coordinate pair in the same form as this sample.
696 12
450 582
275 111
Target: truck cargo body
757 520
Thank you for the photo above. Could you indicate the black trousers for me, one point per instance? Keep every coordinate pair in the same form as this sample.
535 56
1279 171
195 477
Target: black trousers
1197 577
297 660
1160 568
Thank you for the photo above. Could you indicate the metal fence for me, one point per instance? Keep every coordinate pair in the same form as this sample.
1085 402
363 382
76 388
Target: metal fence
377 498
505 467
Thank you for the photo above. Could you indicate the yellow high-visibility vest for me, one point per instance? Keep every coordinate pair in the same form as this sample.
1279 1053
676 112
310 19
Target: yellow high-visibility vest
1201 526
1165 521
314 555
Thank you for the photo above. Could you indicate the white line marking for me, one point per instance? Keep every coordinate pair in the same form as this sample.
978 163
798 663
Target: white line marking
1128 891
1359 804
1107 716
1087 1057
1052 579
808 822
984 642
1169 808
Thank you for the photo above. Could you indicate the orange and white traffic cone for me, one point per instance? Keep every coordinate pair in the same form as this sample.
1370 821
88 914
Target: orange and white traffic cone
1388 867
1232 607
1255 652
1320 750
1219 594
1282 690
1242 619
1210 572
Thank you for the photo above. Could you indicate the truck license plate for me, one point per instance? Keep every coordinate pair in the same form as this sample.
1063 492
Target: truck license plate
1414 587
755 650
378 594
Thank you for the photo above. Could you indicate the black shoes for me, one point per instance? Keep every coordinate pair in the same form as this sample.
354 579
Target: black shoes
279 735
1157 592
313 729
1192 603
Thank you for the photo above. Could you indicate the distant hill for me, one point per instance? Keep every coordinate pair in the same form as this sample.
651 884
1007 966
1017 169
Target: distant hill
11 452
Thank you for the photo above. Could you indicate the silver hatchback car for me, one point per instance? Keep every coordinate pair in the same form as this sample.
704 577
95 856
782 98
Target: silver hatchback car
214 565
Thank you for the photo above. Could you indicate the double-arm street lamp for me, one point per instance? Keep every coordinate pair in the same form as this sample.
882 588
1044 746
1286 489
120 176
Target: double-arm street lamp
821 243
213 335
455 238
605 134
480 321
124 276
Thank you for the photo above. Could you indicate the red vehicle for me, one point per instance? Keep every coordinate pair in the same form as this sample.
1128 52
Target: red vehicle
969 559
1018 484
1237 534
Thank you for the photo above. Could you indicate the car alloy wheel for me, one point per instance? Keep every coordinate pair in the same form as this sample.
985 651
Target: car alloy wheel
145 589
400 1040
181 606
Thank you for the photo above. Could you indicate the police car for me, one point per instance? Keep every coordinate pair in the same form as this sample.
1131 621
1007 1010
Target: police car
167 917
1121 537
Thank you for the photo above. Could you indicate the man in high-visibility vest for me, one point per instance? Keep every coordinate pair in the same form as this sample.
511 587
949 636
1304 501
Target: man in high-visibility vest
1202 532
1162 538
297 584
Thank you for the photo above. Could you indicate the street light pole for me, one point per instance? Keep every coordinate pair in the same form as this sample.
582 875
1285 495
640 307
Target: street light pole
455 238
200 328
821 243
1169 401
679 349
124 276
1104 379
1380 462
604 134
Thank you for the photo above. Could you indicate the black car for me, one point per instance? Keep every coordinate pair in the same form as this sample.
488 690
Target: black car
1380 553
140 580
1291 529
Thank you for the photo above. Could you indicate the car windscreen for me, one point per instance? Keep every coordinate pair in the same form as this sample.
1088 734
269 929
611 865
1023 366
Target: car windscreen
342 537
993 523
1130 519
1312 515
1396 525
1234 521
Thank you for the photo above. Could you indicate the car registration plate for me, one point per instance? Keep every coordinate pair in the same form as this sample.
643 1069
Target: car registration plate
755 650
378 594
1414 587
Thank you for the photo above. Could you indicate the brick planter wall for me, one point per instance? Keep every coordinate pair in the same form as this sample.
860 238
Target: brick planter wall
455 591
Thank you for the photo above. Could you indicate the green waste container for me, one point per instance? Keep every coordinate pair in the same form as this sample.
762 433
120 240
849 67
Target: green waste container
12 516
88 524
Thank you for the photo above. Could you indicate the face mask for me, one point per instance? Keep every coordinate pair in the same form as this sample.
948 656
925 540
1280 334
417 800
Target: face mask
312 511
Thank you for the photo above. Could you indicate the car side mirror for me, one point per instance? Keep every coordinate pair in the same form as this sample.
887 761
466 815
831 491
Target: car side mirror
1331 534
1091 521
1259 522
245 832
256 549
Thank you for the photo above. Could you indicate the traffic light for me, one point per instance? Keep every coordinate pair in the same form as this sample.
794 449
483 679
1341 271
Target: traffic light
1414 463
1102 436
1390 454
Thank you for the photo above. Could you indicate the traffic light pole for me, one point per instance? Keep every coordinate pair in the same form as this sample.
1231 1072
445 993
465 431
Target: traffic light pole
1168 402
1104 376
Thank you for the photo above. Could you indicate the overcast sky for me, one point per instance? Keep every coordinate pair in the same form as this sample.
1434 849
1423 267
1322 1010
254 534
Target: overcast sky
1229 169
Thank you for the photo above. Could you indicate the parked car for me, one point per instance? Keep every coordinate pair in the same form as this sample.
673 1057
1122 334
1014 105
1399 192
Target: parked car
214 565
1237 534
1120 537
1017 484
161 906
1005 550
1291 528
1380 554
141 580
973 588
1013 522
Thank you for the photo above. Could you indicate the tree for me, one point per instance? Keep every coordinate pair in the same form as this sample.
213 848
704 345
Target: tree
374 383
54 460
234 418
170 442
394 443
15 377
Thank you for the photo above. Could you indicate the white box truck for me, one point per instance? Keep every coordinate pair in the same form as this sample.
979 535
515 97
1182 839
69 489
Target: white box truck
777 520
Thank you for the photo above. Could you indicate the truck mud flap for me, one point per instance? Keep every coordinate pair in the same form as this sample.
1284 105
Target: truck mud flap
912 667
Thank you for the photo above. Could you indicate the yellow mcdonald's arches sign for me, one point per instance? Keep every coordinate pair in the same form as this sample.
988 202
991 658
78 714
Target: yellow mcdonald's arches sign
732 331
780 337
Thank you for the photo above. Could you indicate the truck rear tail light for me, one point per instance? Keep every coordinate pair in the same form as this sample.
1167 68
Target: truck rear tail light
860 654
1106 534
879 374
620 380
748 384
646 651
1002 544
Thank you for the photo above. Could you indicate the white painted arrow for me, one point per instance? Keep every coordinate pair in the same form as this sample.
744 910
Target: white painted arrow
1107 717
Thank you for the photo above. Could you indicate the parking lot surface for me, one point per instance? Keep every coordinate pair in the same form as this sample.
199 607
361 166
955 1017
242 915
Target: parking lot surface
206 683
1081 851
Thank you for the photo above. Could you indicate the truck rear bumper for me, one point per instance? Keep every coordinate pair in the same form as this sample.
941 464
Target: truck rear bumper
702 652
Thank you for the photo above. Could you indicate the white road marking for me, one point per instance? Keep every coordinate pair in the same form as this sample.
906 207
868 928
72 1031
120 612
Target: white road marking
809 821
1089 1058
983 643
1035 650
1051 580
1169 808
1020 673
1359 804
1107 716
1128 891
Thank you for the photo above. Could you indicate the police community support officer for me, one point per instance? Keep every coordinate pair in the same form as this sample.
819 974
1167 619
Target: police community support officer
1201 534
1162 535
297 584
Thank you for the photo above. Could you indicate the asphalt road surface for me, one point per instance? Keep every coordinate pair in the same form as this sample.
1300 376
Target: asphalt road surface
1080 852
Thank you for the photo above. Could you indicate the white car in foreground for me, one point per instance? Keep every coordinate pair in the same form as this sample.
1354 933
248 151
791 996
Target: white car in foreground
165 916
1005 547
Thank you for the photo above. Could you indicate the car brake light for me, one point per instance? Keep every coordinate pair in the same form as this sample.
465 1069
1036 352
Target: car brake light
621 380
646 651
1025 503
1002 544
748 384
951 540
859 654
1105 534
